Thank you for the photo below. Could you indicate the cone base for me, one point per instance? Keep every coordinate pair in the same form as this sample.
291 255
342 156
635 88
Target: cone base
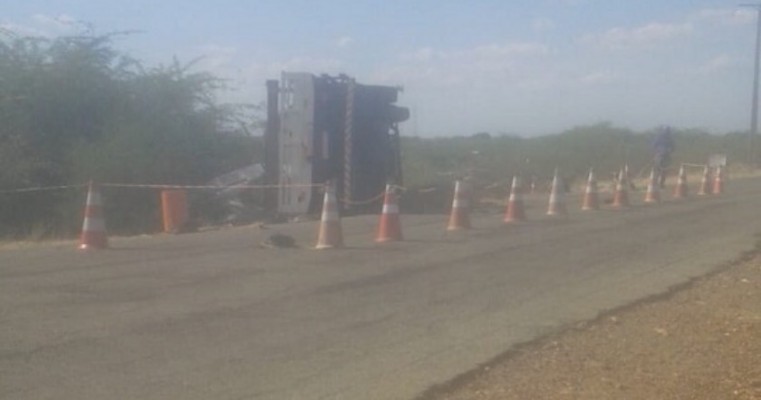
389 229
459 222
592 204
621 200
328 246
388 239
86 247
330 236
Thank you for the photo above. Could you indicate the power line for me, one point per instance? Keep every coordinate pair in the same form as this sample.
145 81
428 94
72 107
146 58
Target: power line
754 106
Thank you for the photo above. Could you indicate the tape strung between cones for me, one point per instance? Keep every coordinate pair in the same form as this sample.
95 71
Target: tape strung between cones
459 218
557 204
330 235
591 200
653 194
680 191
94 226
515 210
390 227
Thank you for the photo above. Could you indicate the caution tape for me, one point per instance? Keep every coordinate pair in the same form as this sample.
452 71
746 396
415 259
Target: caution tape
399 189
152 186
42 189
363 202
202 187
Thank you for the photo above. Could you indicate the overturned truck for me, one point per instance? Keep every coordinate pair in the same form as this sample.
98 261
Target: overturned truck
322 128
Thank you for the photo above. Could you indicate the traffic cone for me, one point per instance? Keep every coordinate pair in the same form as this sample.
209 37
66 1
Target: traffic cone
94 234
718 181
591 200
705 184
533 184
515 210
330 235
459 218
621 197
680 191
390 228
653 194
557 206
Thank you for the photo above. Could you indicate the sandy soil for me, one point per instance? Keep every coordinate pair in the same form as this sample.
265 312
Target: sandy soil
701 341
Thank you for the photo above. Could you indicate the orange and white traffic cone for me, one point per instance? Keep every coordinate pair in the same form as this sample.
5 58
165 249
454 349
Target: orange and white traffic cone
557 205
705 184
718 181
653 194
330 235
621 197
459 218
591 199
94 234
390 227
680 191
515 211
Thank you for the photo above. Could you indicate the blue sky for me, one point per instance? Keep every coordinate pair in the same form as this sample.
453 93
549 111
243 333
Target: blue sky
512 66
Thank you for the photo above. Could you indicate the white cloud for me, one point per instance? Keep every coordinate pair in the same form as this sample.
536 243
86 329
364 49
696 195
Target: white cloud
21 30
216 56
504 52
542 24
717 63
423 54
45 26
487 63
598 78
725 16
247 77
638 37
262 71
59 22
344 42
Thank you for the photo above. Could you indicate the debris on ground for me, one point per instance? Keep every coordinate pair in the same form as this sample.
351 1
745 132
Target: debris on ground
279 241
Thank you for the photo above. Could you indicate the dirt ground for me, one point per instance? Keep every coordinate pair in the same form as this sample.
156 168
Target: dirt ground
701 341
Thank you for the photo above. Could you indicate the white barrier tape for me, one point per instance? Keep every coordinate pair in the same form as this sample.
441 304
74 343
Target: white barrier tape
365 202
190 187
42 189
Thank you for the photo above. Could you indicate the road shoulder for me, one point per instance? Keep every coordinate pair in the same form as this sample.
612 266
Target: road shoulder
701 340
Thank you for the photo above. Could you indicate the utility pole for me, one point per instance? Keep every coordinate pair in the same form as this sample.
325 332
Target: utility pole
754 109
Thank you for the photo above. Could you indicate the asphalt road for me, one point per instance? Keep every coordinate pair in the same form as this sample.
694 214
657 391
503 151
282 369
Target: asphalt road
213 316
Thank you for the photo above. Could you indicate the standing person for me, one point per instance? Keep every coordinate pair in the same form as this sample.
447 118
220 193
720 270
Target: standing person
662 146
